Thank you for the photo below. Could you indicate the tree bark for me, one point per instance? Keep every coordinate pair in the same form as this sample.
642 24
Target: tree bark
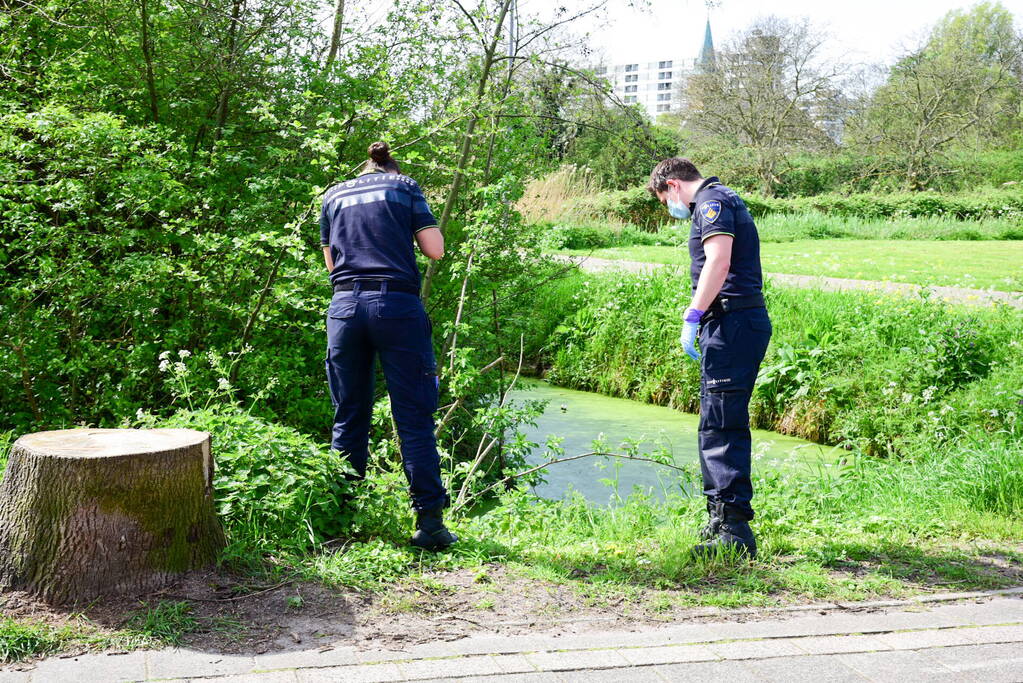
335 38
86 513
147 53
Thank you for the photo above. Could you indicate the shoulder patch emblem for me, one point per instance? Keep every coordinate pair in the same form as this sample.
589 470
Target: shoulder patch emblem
710 210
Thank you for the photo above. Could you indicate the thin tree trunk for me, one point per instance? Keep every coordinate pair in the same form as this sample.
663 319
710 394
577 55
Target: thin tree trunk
147 54
335 38
26 383
225 91
466 151
250 323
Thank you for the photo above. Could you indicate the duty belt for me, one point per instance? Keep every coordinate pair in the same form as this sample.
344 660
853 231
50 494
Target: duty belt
723 305
376 286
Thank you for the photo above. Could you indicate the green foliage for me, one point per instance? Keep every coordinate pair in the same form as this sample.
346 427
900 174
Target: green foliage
878 373
23 639
166 622
635 207
275 488
621 149
593 235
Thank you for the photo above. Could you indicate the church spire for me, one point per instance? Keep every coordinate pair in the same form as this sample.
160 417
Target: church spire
706 59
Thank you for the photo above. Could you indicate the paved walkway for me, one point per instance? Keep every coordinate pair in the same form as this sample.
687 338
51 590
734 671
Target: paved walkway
965 637
958 295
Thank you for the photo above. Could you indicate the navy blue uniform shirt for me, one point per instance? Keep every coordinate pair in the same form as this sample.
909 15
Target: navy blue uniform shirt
369 223
718 210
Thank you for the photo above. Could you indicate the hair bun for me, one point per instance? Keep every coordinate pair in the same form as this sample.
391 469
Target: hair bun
380 152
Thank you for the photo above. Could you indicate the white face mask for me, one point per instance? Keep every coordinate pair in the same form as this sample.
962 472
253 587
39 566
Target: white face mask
678 210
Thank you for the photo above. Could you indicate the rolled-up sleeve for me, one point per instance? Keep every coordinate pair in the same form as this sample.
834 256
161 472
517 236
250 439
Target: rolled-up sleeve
422 217
324 225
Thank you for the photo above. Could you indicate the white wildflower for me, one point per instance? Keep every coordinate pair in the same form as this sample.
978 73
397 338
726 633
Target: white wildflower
164 364
165 355
184 353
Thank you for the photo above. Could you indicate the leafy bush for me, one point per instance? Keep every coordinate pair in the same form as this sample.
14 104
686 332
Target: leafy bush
588 235
875 372
275 488
636 207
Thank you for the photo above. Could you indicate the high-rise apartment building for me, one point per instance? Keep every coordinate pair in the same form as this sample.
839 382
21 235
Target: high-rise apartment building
656 85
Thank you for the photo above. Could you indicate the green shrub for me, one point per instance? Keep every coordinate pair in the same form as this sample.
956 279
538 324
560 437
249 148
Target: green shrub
875 372
274 487
593 235
635 207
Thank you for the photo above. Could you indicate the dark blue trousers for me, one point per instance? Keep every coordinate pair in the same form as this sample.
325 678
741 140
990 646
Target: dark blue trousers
732 346
392 325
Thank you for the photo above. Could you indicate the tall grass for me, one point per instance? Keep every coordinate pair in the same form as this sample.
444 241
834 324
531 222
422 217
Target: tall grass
549 198
870 371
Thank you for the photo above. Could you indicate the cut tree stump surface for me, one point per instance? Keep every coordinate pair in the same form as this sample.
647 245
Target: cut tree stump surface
92 512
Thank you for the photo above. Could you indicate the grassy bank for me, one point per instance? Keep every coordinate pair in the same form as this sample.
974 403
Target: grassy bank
870 371
578 233
935 389
976 265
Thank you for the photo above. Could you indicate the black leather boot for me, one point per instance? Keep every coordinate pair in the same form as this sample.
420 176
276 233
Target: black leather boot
733 535
715 513
431 534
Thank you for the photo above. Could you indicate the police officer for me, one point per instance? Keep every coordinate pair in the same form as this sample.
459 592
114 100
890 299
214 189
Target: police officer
367 228
728 314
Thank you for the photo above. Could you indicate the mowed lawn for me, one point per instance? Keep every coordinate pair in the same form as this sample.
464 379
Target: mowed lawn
990 264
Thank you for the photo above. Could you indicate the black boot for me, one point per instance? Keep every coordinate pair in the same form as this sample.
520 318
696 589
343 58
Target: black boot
733 535
715 512
431 534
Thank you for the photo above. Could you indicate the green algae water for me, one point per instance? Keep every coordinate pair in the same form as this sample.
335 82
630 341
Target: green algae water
579 417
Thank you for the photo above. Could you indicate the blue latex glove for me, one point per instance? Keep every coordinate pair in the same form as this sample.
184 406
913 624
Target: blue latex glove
690 326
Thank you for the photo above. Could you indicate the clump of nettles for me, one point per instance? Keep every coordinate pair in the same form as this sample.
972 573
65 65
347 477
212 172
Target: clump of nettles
962 354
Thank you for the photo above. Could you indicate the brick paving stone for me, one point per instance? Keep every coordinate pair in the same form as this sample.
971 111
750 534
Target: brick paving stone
362 673
815 668
916 640
674 654
702 672
830 645
181 663
898 666
640 674
995 634
755 649
459 666
268 677
1002 662
567 661
295 659
15 676
98 668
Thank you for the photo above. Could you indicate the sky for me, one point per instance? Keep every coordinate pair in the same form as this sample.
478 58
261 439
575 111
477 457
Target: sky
869 31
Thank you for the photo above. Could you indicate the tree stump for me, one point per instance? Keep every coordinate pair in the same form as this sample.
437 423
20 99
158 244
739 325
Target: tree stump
94 512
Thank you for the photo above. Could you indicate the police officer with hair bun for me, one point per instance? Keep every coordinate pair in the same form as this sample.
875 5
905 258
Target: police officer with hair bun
367 229
728 314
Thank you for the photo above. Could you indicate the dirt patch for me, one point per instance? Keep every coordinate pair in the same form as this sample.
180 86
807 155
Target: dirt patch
234 616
